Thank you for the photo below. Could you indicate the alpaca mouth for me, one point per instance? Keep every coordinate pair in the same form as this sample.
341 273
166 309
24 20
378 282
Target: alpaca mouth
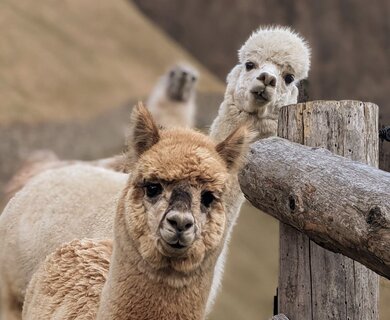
173 249
178 96
174 244
259 94
177 245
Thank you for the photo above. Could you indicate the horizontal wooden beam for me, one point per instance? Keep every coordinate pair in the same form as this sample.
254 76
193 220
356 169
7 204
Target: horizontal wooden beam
340 204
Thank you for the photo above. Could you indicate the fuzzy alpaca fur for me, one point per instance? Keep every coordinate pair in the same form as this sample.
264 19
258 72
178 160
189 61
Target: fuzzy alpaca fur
93 258
148 277
30 230
172 101
42 160
275 52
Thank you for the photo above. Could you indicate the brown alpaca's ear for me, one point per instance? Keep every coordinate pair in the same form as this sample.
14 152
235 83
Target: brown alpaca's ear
234 148
144 132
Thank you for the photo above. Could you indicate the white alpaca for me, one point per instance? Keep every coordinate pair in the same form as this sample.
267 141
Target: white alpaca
172 102
169 229
271 63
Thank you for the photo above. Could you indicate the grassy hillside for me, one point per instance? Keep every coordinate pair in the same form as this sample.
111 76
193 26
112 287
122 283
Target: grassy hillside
67 59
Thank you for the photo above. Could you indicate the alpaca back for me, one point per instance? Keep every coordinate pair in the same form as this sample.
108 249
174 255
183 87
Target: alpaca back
35 222
35 163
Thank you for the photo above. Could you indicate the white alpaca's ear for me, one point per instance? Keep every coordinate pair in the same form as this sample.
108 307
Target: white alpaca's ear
233 75
231 80
144 131
234 148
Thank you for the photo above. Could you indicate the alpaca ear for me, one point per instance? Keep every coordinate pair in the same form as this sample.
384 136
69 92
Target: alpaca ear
234 148
233 75
144 132
231 81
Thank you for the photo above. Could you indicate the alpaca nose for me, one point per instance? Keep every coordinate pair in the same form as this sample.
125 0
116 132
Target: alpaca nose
180 221
267 78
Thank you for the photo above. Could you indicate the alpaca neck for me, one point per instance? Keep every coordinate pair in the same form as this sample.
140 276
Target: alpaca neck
230 117
133 292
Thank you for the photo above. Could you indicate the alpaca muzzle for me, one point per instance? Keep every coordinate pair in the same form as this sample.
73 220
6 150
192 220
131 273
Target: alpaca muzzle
178 229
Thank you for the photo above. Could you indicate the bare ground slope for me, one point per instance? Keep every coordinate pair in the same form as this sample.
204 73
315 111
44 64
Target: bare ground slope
67 59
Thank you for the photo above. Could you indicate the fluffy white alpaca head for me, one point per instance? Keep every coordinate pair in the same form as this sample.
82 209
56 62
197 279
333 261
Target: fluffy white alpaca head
181 82
271 63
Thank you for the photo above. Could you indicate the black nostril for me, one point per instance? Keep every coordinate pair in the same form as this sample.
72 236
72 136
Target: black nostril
261 77
172 222
272 83
184 73
188 226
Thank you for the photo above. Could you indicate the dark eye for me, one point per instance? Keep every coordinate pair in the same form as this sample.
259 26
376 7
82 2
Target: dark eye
249 66
207 198
193 78
171 74
153 189
288 78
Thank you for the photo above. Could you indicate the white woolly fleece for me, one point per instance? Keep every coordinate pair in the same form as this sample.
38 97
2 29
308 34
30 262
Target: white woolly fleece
281 45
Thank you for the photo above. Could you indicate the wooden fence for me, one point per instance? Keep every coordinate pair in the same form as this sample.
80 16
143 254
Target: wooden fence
325 201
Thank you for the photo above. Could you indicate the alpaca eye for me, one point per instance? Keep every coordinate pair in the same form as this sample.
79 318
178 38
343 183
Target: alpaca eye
288 78
171 74
193 78
249 66
153 190
207 198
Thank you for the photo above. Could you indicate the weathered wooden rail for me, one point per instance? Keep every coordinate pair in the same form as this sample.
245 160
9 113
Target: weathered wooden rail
322 198
342 205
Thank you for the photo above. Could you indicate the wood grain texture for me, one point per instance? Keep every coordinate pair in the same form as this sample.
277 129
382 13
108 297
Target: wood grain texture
349 129
279 317
315 283
343 205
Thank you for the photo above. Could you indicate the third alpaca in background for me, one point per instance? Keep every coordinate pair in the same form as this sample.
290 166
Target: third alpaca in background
172 101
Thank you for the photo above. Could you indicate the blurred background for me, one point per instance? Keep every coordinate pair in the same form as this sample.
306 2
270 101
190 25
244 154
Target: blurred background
71 69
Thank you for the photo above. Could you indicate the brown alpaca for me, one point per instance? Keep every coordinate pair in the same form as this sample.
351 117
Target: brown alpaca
170 227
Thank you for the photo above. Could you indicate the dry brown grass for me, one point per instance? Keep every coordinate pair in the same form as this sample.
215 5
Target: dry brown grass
68 59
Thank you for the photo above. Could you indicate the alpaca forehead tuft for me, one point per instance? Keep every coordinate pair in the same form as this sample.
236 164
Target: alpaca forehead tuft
183 154
280 45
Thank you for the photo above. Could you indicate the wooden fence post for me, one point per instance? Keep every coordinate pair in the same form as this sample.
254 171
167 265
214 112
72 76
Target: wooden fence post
314 283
